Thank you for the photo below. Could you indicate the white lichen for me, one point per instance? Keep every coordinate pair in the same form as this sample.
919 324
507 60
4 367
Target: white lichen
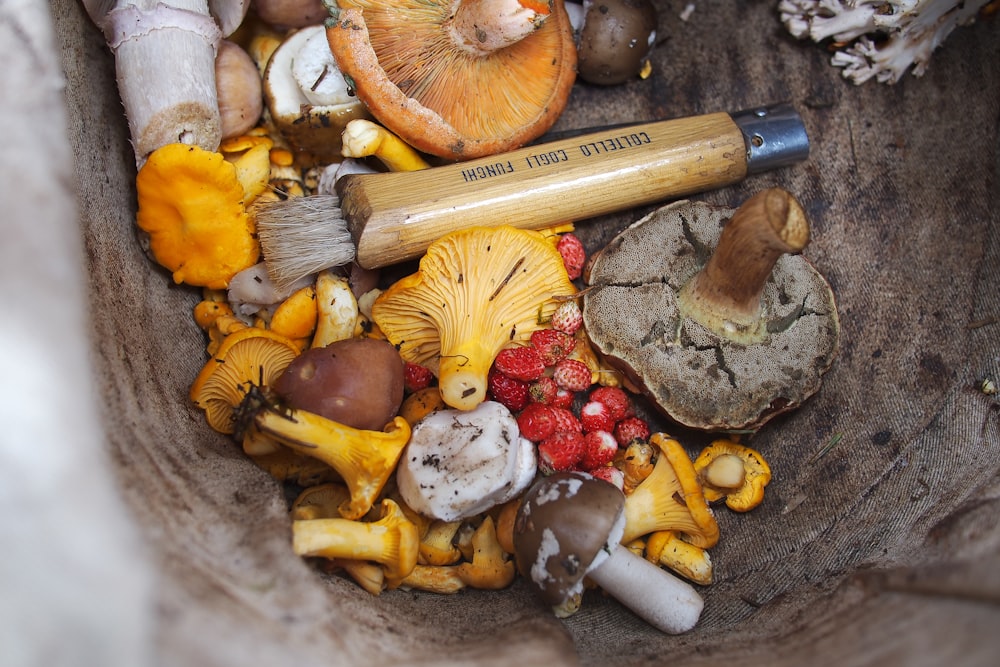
879 39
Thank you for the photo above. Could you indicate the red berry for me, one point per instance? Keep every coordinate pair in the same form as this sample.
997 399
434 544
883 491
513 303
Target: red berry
520 363
564 398
573 254
416 377
543 390
600 451
629 429
552 345
567 318
509 392
610 474
566 420
572 375
537 422
560 451
618 401
596 416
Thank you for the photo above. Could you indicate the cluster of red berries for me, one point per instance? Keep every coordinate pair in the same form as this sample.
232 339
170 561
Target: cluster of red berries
541 383
575 425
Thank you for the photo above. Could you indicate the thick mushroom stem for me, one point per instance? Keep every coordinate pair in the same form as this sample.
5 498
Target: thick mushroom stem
656 596
167 99
485 26
392 540
725 296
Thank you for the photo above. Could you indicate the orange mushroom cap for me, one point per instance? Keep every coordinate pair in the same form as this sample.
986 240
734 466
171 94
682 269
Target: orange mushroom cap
442 91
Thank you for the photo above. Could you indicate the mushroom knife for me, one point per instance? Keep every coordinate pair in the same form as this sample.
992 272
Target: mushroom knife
392 217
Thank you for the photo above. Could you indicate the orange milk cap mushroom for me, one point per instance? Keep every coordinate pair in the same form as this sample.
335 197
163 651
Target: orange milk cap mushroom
457 79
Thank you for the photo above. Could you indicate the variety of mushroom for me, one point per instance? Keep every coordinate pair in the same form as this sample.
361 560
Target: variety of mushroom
441 491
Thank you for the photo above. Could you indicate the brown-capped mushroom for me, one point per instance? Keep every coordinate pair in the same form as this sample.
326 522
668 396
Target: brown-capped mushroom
238 88
615 39
457 79
718 340
568 528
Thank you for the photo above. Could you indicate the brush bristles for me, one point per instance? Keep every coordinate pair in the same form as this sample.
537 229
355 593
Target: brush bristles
302 236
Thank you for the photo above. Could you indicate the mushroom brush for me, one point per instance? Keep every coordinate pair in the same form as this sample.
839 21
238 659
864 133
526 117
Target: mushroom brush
385 218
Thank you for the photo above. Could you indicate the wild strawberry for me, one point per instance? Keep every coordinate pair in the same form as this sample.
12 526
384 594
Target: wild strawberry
552 345
507 391
567 318
616 399
520 363
566 420
416 377
629 429
543 390
596 416
560 451
573 254
537 421
611 475
600 451
563 398
572 375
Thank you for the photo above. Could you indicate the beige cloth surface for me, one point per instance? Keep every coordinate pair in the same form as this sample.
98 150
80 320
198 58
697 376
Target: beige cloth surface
152 540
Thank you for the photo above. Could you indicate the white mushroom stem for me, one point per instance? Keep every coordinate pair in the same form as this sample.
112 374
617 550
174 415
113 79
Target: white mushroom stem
656 596
165 61
485 26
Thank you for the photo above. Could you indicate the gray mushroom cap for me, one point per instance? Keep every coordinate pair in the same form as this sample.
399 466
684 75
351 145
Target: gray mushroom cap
697 378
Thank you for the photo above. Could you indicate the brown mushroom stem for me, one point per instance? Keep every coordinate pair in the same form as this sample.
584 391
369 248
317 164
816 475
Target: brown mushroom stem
725 296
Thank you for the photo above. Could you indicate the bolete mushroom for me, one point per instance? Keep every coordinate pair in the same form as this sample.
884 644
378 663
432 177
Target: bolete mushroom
457 79
568 528
614 40
717 340
357 382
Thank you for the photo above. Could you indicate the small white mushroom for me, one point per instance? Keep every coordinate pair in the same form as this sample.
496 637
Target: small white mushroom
461 463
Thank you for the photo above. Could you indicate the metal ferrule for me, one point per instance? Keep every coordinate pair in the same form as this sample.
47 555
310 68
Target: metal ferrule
775 136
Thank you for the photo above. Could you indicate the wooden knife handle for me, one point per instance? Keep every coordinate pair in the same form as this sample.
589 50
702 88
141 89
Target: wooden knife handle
394 216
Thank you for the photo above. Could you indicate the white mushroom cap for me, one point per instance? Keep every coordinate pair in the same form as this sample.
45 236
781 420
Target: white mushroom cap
461 463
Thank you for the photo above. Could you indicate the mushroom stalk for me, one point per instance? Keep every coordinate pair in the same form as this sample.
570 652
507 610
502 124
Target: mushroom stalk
392 540
725 295
485 26
167 99
656 596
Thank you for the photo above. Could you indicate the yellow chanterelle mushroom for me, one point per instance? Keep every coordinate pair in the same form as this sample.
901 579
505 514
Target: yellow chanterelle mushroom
476 291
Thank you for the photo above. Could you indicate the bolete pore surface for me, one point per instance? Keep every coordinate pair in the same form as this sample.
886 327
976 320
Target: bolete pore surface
713 313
